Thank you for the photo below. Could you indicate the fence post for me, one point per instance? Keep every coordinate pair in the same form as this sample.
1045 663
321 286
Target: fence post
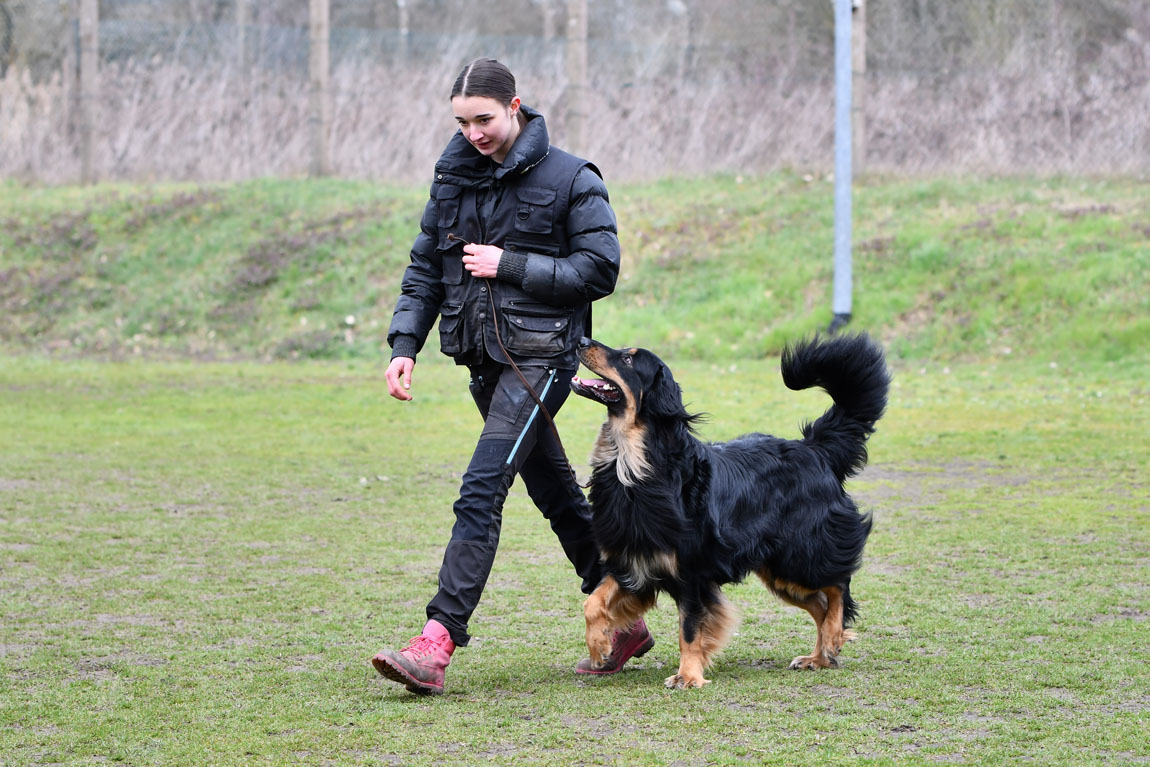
576 74
319 101
547 7
89 86
404 29
241 37
858 86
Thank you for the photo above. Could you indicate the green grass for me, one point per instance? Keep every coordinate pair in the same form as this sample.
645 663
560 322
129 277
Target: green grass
198 560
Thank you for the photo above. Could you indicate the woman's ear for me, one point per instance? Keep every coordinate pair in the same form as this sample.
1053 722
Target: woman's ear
515 103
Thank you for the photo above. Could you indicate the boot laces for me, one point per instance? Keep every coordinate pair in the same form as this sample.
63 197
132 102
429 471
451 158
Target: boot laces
421 646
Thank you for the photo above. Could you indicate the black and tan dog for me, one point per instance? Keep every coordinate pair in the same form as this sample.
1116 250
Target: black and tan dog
674 514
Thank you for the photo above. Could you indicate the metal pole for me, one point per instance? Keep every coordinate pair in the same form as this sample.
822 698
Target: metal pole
842 289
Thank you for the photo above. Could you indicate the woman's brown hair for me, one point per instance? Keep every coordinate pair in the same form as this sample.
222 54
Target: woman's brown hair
486 78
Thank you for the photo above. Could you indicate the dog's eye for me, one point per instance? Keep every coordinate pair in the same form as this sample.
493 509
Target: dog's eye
627 360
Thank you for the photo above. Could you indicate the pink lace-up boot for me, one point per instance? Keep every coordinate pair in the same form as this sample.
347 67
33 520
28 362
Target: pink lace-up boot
419 666
625 644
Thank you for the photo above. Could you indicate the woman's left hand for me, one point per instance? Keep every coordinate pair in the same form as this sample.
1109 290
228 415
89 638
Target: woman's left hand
482 260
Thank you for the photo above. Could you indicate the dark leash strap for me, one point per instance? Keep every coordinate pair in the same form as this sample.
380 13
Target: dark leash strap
523 379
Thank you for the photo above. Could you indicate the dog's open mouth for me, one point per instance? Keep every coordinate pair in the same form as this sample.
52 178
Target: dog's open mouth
597 389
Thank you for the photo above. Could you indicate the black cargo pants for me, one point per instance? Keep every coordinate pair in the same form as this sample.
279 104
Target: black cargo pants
516 439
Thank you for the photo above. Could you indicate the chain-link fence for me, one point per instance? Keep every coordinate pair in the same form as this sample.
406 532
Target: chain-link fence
219 89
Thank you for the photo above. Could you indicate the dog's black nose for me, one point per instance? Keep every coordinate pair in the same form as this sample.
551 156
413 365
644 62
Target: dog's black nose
584 342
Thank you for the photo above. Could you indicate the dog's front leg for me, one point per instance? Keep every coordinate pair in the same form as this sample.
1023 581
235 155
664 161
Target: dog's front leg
597 613
703 632
692 658
607 610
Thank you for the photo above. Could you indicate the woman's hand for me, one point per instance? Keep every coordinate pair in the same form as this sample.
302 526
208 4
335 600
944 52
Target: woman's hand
482 260
399 377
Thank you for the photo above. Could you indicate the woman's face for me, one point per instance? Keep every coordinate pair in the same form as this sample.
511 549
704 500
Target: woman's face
490 127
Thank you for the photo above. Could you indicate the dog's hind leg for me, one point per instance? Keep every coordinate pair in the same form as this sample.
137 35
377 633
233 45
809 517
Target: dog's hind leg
834 633
704 630
826 607
610 608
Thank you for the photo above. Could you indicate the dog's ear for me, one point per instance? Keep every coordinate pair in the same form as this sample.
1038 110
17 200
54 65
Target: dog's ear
664 397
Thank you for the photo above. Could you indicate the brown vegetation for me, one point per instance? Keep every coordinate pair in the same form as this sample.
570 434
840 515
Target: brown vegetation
1006 87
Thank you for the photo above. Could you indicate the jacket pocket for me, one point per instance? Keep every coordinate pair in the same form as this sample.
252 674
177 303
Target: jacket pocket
540 245
535 330
451 329
534 209
447 207
452 262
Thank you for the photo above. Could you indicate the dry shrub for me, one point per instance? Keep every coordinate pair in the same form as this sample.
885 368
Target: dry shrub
1028 116
164 120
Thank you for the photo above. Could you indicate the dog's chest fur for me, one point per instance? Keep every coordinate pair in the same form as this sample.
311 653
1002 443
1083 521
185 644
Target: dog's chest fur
622 441
644 572
641 547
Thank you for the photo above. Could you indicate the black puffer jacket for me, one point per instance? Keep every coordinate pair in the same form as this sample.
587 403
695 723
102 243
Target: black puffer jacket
550 213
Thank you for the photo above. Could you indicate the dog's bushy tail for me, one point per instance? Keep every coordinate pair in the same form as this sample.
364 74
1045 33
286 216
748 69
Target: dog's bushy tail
852 369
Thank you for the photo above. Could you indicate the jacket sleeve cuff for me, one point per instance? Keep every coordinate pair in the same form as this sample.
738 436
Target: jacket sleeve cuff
512 267
404 346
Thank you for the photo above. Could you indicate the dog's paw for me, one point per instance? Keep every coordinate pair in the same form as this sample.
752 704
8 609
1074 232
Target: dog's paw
683 682
814 662
846 636
598 647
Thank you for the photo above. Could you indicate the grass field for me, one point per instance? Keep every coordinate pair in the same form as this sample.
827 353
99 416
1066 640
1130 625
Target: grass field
198 560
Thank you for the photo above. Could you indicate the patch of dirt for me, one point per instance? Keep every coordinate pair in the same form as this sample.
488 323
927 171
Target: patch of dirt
924 485
265 260
598 726
876 566
1075 212
178 206
1123 613
59 238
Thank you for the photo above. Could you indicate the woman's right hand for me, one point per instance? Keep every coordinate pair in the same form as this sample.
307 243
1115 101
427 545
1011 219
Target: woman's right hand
399 377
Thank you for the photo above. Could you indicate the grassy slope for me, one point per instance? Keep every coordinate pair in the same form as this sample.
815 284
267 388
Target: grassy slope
713 269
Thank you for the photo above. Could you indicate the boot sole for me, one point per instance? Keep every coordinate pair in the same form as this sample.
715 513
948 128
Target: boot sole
639 653
391 671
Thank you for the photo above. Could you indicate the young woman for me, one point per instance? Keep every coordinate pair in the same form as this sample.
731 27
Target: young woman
517 239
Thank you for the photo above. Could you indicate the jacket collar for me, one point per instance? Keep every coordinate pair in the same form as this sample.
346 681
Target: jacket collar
462 164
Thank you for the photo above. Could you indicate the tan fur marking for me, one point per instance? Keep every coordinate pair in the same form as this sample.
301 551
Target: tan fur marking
607 610
622 442
621 437
691 665
711 636
826 609
788 591
642 570
593 358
